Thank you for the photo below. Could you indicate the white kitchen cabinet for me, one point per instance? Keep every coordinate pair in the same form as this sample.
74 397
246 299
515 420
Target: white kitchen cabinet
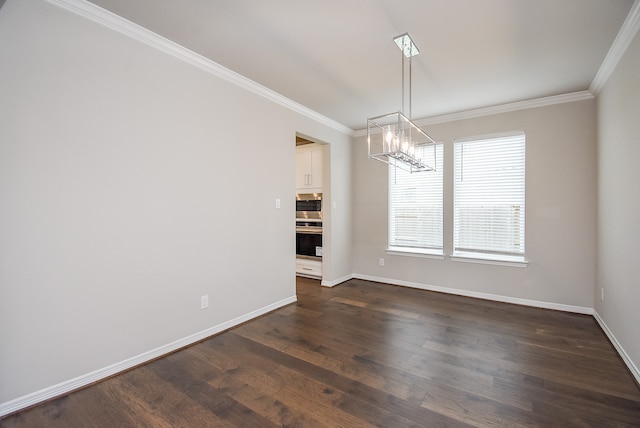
309 164
309 268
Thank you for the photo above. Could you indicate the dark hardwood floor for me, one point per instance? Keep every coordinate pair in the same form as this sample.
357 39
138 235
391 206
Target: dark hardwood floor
369 354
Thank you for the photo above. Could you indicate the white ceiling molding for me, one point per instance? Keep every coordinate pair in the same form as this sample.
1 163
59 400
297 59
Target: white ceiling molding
112 21
136 32
502 108
506 108
622 41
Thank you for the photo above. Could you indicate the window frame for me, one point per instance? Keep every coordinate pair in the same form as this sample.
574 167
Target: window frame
480 255
417 251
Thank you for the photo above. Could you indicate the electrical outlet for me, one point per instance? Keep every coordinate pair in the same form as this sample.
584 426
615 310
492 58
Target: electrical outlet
204 301
602 294
381 262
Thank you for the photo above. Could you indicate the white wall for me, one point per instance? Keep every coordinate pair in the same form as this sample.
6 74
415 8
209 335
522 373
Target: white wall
560 213
619 206
131 184
337 215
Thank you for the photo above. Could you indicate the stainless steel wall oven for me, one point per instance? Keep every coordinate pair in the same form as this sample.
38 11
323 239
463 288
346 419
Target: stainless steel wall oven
309 226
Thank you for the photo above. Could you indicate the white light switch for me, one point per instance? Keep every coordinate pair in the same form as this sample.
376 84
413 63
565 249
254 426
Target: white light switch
277 203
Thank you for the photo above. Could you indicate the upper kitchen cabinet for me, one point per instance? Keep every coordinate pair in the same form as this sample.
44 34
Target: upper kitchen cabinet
309 168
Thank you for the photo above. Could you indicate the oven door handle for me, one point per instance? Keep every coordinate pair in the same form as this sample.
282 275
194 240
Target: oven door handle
309 232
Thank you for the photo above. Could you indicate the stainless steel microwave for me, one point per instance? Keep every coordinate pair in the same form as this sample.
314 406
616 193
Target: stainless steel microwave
309 206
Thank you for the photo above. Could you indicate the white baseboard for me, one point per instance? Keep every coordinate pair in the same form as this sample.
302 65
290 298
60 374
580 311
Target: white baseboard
478 295
86 379
623 354
105 372
336 281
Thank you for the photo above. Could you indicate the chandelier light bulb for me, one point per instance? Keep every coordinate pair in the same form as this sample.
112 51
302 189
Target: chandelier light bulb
389 134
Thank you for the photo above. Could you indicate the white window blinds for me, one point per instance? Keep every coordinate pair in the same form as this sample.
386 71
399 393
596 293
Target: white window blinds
489 196
415 205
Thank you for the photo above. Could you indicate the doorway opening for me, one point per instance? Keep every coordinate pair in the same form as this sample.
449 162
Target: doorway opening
312 222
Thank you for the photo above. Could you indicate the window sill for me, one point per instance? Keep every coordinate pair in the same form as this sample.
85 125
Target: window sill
415 252
514 261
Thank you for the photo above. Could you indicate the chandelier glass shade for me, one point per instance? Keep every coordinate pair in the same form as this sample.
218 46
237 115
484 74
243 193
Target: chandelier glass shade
393 138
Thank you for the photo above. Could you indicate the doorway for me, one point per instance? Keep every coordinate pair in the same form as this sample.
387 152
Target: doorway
311 207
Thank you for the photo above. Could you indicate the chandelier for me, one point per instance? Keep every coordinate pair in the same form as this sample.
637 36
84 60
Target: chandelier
393 138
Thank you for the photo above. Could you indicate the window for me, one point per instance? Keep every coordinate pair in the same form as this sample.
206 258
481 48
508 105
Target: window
489 196
415 206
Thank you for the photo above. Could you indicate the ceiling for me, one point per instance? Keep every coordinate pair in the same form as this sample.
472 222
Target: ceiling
338 57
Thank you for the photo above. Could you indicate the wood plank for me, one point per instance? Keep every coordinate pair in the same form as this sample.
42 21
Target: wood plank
161 403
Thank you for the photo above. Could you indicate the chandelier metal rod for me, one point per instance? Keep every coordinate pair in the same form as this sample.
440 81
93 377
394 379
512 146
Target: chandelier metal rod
393 138
410 105
403 73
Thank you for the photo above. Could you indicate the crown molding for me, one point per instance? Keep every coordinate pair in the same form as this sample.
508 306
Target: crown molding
114 22
622 41
117 23
506 108
497 109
